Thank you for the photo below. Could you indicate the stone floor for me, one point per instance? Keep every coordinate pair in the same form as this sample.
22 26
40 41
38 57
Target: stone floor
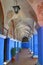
23 58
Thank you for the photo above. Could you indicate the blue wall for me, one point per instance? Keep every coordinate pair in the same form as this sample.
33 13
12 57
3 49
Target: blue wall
6 44
11 43
25 44
1 50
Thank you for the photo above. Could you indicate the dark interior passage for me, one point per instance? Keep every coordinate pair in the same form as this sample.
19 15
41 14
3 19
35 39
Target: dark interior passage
25 43
25 39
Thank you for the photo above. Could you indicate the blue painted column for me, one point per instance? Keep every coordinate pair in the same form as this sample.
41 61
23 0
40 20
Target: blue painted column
14 43
2 49
40 45
35 45
32 44
17 50
19 44
30 41
9 45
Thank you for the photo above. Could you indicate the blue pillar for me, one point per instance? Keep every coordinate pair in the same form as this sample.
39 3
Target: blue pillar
29 44
19 44
2 49
32 44
35 45
30 41
17 50
14 43
9 45
40 45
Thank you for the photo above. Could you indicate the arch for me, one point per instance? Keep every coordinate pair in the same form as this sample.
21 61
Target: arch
25 39
40 13
1 19
38 9
33 12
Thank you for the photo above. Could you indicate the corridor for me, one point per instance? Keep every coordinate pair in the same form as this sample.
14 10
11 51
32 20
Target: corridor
21 26
25 58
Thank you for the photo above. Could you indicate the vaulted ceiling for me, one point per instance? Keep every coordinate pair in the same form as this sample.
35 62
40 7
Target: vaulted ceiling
27 18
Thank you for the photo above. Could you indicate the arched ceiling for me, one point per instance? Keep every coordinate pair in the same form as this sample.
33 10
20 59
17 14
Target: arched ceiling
26 10
37 6
24 20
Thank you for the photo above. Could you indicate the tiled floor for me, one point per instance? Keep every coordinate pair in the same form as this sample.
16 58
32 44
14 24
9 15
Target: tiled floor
23 58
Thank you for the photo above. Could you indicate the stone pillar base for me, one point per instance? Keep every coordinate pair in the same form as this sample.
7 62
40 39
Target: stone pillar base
35 56
31 52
